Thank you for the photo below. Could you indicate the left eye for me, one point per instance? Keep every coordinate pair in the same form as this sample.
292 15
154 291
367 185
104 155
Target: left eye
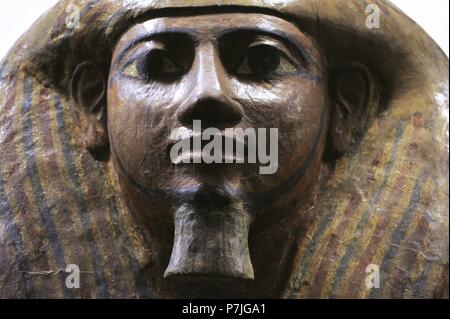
156 66
263 61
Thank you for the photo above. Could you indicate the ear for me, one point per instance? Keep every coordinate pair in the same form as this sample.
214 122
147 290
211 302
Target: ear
89 107
351 88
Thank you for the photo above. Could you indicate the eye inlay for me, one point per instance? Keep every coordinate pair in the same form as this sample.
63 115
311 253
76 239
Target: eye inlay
248 55
155 65
254 57
263 61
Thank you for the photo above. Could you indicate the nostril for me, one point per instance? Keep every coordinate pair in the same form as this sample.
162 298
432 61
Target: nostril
212 113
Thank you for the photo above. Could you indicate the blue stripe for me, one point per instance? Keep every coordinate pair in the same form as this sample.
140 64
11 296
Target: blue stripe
16 236
33 174
399 232
366 215
328 218
85 218
419 287
140 279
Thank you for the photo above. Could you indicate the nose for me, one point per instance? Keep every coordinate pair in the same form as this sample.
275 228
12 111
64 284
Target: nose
210 100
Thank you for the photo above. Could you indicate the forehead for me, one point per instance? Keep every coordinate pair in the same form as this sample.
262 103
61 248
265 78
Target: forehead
214 25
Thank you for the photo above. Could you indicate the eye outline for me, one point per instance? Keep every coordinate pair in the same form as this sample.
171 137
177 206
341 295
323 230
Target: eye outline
282 54
140 60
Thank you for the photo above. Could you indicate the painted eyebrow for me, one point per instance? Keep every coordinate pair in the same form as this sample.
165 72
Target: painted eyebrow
279 35
189 33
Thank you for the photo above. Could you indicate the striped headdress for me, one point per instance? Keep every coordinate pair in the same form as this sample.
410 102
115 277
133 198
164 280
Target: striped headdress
386 203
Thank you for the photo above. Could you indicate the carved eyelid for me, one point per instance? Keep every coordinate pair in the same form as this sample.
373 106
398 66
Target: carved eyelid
141 50
264 40
143 53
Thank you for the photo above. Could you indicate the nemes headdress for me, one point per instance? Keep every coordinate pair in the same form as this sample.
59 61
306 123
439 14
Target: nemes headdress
385 206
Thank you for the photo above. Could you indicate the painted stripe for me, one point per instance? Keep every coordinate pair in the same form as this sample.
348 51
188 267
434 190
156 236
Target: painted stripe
346 222
107 226
33 174
85 218
319 233
336 236
425 268
95 178
331 249
409 259
399 232
140 280
17 187
377 240
16 237
343 264
50 166
320 227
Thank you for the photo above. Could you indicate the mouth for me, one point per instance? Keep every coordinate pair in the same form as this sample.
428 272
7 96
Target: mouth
200 157
221 148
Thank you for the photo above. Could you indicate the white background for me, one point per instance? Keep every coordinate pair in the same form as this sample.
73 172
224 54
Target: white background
16 16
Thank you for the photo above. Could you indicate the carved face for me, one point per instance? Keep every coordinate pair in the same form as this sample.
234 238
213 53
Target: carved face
229 71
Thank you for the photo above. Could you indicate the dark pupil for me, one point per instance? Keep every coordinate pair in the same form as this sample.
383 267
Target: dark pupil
263 60
152 65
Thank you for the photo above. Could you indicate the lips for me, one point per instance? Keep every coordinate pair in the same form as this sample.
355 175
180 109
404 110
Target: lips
197 156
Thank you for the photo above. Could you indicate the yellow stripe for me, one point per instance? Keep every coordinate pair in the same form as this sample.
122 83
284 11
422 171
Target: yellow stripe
100 222
417 269
32 215
77 256
356 215
396 212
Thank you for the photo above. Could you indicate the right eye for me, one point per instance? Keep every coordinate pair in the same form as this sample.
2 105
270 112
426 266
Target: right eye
155 65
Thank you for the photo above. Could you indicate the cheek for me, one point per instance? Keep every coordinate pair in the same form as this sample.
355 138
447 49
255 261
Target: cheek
139 120
281 104
302 119
297 107
303 128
